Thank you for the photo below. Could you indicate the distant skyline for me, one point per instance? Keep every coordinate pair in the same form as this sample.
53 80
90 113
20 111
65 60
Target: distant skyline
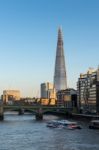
28 40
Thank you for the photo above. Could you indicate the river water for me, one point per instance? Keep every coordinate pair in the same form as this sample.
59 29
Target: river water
25 133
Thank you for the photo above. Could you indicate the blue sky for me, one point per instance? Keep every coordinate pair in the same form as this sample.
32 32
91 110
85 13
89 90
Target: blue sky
28 38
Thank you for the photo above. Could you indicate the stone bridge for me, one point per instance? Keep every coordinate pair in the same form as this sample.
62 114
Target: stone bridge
38 110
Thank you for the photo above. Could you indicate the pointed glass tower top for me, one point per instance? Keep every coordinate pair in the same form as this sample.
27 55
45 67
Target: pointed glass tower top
60 80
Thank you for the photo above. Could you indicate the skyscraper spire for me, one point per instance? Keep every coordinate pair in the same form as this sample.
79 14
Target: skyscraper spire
60 81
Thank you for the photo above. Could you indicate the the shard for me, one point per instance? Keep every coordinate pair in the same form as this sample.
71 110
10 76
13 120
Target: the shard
60 79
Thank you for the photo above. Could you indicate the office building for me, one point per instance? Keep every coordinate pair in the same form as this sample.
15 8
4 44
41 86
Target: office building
88 91
10 96
47 90
67 98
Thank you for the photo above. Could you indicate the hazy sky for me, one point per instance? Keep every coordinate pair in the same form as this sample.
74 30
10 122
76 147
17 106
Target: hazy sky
28 38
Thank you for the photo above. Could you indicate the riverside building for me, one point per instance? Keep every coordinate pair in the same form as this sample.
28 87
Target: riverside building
9 96
88 91
47 90
48 94
67 98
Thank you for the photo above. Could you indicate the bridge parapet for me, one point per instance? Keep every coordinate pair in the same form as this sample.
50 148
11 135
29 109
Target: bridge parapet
38 110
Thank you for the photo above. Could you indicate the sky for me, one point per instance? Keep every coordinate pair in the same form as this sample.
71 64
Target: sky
28 39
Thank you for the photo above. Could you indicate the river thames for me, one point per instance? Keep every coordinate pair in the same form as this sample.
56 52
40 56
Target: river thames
25 133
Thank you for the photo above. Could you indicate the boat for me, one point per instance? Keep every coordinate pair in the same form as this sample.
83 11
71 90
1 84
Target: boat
63 124
94 124
52 124
71 125
74 125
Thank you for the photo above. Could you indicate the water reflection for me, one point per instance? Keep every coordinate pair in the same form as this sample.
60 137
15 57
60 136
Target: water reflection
24 133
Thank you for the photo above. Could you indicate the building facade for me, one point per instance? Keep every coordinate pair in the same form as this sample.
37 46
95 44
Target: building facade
60 79
11 96
88 91
47 90
67 98
45 101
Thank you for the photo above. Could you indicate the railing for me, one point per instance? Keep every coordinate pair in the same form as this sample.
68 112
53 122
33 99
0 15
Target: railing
36 108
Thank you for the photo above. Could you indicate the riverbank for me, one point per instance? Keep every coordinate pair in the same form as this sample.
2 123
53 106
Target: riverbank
84 116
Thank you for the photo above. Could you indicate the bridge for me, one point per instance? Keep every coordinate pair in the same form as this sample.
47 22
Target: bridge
37 110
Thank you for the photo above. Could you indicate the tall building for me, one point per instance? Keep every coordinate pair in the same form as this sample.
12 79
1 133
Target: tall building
88 91
11 95
60 79
47 90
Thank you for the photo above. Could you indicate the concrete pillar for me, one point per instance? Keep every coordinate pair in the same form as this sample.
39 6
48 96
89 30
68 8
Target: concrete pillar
1 113
21 111
39 114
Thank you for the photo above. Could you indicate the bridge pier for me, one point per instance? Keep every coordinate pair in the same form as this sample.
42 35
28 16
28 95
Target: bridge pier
1 113
39 114
21 111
